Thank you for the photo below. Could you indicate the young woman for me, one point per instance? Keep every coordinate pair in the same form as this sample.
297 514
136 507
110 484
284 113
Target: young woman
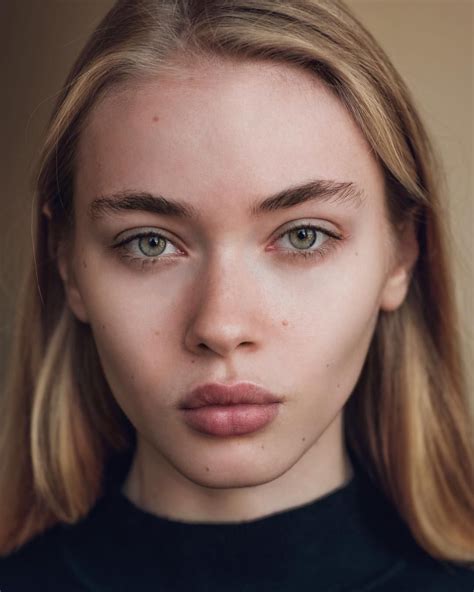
237 364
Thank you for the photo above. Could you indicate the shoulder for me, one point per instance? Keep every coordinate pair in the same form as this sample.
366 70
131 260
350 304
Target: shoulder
422 574
37 567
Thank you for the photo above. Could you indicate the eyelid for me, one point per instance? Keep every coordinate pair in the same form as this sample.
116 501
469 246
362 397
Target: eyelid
122 237
297 224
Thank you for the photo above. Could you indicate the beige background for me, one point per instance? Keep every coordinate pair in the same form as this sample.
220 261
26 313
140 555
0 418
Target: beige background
429 41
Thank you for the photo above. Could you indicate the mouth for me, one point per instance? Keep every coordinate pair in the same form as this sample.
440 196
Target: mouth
241 393
222 410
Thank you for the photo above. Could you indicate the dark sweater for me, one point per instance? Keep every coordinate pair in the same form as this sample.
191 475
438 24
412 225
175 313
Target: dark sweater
348 540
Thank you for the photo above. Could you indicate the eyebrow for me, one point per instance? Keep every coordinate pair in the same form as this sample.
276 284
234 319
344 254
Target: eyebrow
319 190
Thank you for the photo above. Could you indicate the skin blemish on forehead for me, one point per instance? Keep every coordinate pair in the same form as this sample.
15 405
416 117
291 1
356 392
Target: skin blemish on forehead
156 119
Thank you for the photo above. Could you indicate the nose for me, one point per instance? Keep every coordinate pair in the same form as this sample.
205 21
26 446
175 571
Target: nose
226 310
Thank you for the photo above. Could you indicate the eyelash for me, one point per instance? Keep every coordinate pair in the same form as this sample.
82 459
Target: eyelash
321 252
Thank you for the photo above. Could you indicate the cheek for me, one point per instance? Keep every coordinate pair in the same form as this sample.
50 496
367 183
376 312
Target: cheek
334 325
133 327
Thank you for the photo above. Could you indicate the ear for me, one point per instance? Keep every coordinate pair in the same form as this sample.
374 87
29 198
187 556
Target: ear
66 270
71 288
399 275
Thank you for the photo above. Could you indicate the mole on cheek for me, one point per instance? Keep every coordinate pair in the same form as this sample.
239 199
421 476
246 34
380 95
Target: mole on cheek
156 119
284 323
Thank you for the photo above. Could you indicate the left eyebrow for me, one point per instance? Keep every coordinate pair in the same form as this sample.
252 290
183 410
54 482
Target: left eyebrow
320 190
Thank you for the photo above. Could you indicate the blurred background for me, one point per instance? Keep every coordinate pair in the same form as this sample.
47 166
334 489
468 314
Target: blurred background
429 41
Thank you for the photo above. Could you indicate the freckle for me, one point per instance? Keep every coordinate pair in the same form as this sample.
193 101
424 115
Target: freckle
356 253
284 322
327 365
303 439
103 327
156 118
207 469
84 265
338 385
157 333
263 447
132 376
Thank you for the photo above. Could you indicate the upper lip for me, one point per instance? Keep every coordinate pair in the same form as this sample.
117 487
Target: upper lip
213 393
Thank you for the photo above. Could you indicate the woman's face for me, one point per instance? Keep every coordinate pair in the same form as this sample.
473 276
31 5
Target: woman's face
229 294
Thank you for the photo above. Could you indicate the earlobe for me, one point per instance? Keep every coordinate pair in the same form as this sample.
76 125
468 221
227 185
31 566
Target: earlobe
71 289
395 290
398 280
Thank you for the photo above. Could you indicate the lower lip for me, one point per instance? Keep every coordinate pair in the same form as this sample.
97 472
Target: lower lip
230 420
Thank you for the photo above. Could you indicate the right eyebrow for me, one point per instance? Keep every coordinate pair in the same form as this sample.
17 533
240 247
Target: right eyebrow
320 190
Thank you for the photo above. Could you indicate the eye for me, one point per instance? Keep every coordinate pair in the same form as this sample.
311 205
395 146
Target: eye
150 247
304 236
146 247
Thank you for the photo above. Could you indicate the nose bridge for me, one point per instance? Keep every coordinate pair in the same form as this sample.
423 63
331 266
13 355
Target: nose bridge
226 273
225 304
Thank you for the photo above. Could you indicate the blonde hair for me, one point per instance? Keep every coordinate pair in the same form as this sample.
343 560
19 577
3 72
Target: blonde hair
408 421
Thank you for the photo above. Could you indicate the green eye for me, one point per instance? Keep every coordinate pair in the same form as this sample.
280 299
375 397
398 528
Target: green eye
302 238
151 246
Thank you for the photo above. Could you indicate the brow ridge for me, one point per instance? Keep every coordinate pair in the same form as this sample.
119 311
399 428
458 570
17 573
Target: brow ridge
320 190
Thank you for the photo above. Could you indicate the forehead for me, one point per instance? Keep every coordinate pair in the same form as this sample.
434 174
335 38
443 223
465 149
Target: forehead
222 128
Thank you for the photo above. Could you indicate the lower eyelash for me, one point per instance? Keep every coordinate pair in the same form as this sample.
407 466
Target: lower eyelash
321 252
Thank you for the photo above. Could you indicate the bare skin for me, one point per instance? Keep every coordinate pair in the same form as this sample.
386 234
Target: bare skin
226 301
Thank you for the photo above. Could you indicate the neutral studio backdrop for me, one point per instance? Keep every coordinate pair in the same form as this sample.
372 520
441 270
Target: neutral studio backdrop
429 41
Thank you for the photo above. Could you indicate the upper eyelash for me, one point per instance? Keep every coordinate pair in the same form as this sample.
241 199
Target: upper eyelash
321 251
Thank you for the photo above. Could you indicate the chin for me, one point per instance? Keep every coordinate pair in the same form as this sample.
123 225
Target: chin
247 471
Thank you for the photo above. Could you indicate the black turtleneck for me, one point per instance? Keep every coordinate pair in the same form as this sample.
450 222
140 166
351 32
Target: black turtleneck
349 540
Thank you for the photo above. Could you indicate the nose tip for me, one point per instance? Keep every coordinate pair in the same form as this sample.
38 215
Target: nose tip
221 320
219 338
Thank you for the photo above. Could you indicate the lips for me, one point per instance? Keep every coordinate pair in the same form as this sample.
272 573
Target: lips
243 393
222 410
